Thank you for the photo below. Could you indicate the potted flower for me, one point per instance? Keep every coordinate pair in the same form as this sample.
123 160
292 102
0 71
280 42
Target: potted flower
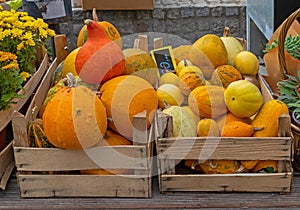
20 37
289 90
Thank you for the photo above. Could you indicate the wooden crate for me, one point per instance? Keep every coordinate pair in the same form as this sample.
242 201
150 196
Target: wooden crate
171 150
6 155
29 160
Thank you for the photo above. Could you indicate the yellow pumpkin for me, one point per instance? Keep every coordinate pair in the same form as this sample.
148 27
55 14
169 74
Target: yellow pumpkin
208 127
229 117
213 48
238 129
196 57
170 94
232 45
243 98
125 96
69 64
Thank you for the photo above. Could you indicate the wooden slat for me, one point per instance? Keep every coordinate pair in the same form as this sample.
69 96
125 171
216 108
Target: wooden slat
277 182
19 120
29 87
213 148
53 159
6 164
83 186
61 52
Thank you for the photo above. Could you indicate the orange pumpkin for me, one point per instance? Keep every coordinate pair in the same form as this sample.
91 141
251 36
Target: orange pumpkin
99 59
125 96
208 101
75 118
224 75
110 139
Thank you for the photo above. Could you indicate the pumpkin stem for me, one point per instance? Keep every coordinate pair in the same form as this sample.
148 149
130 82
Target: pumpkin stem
258 128
241 169
226 32
109 119
88 22
70 80
185 62
211 164
166 104
95 17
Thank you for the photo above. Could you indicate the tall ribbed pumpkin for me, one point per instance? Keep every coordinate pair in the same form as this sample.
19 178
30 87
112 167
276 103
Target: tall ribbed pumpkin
125 96
99 58
75 118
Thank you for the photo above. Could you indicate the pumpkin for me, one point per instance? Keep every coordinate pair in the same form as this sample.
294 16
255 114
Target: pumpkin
243 98
189 81
69 63
232 45
207 101
213 47
169 78
183 63
111 138
220 166
267 117
189 69
229 117
61 83
75 117
247 63
192 164
208 127
266 166
196 57
238 129
140 63
195 117
111 31
183 124
99 59
224 75
125 96
36 134
170 94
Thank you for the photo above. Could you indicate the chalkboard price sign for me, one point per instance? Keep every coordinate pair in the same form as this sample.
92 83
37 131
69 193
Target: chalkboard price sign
164 59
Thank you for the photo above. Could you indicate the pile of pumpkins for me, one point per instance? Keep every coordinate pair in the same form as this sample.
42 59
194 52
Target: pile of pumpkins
99 87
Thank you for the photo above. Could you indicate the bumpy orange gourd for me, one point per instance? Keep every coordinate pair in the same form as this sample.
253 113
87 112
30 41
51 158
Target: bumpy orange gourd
208 101
125 96
196 57
224 75
220 166
229 117
110 139
140 63
99 59
266 166
189 81
75 118
237 129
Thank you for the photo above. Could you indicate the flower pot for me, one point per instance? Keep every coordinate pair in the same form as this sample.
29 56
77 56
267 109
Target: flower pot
294 120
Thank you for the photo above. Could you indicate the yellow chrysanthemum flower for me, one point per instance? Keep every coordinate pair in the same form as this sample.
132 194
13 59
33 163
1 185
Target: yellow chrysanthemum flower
24 75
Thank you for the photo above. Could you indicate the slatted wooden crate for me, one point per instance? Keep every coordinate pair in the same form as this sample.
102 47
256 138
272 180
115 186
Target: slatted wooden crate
172 150
28 160
6 155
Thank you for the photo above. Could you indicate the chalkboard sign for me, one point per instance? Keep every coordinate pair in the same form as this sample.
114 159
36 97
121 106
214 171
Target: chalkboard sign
164 59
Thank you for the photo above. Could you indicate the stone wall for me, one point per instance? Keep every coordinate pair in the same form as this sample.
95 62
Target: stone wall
187 19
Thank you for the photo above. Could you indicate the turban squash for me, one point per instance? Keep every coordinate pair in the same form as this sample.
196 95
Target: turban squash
74 118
